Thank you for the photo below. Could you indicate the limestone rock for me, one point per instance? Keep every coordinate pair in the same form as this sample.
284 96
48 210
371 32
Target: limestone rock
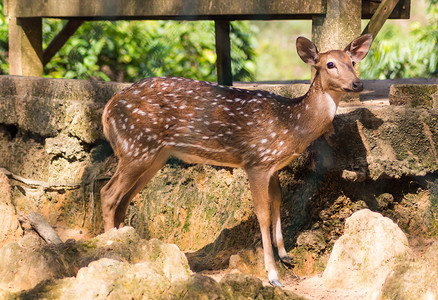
231 286
196 287
9 226
26 263
66 146
384 200
414 95
113 279
240 286
414 279
189 205
123 266
29 262
366 253
312 240
249 261
245 285
167 257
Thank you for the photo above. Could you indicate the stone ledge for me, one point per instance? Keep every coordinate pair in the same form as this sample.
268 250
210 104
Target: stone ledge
50 131
414 95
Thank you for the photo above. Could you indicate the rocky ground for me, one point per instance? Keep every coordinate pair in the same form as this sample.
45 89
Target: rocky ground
372 260
381 156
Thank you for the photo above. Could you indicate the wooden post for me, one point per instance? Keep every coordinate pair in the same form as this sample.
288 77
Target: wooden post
25 46
380 16
339 26
59 40
223 52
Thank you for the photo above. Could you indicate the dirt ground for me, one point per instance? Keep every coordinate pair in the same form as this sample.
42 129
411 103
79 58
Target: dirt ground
312 288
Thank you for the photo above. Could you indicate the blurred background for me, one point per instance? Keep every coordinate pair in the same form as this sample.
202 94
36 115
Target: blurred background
261 50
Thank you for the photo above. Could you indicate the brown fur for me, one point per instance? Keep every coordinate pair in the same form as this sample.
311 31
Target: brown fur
202 122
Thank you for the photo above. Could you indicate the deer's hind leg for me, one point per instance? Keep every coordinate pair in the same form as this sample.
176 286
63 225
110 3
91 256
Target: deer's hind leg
277 234
130 177
144 179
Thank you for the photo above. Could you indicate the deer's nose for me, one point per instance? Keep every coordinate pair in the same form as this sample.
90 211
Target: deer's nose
357 86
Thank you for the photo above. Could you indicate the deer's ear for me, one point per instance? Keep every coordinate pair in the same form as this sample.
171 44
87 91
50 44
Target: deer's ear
359 47
307 51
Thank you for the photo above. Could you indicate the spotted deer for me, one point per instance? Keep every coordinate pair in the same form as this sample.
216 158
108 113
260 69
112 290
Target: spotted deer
206 123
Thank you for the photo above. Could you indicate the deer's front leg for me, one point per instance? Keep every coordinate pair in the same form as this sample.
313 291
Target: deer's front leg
277 235
259 184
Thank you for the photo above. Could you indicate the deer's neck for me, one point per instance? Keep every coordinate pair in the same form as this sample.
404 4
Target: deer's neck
322 99
314 114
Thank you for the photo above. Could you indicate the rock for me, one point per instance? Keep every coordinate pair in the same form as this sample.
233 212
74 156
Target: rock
231 286
29 262
105 279
414 279
312 240
167 257
66 146
26 263
138 269
414 95
243 285
113 279
249 262
196 287
240 286
354 176
384 200
377 149
366 253
51 131
9 226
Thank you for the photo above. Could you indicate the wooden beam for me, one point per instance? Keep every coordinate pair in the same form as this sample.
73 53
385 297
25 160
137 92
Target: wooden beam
25 46
401 10
182 9
59 40
223 52
380 16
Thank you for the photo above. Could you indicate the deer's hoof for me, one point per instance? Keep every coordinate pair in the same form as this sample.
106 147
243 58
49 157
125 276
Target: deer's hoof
276 282
287 260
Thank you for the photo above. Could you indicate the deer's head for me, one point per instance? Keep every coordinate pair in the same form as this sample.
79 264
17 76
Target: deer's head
336 67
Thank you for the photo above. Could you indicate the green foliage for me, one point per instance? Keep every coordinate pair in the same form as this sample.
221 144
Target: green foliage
129 51
4 67
277 58
400 52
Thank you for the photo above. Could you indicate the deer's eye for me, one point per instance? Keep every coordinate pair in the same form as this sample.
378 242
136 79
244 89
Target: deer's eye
330 65
354 63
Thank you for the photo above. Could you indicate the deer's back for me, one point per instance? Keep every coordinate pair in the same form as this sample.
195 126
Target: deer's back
199 122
